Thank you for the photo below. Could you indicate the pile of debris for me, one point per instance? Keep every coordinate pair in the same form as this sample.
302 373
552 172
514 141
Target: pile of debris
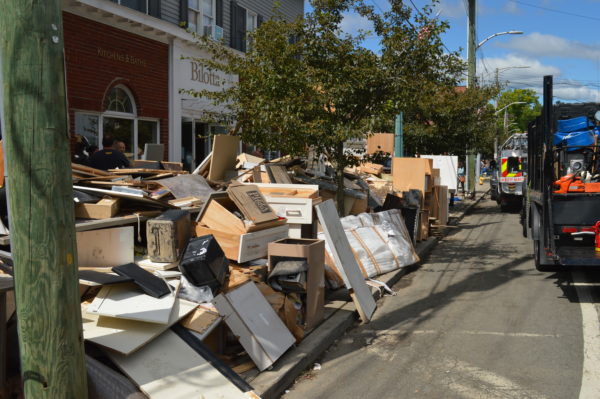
191 284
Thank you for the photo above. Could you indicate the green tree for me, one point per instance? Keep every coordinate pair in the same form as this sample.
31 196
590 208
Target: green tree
452 120
308 84
520 114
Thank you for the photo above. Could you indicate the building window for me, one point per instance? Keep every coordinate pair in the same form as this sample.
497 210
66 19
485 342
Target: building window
119 100
119 120
150 7
243 21
202 16
251 24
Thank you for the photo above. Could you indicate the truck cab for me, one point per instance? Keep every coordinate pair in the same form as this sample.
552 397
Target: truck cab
510 177
562 203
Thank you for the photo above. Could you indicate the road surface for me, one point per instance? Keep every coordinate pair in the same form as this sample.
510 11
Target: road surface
475 321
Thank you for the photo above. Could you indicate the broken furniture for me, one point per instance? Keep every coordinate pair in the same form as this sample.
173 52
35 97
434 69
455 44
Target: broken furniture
243 233
313 253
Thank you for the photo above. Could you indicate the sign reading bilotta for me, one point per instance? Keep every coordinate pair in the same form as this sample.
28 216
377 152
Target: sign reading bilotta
192 74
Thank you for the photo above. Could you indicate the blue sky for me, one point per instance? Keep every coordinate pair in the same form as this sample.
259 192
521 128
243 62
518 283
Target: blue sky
561 38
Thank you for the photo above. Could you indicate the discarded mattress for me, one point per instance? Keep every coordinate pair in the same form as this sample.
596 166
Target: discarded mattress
380 243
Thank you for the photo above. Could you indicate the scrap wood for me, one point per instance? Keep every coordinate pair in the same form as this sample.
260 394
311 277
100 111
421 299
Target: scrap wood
201 320
86 169
168 368
142 171
127 336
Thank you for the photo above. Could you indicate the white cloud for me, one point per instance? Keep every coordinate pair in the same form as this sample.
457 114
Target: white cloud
515 68
513 74
569 93
512 8
542 45
353 22
451 9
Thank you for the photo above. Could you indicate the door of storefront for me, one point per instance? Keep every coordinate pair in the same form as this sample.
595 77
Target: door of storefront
196 141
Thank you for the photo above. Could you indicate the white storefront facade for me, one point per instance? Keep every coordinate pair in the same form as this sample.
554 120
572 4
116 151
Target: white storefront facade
191 129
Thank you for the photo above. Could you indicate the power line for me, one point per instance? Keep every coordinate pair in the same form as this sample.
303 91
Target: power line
377 5
556 11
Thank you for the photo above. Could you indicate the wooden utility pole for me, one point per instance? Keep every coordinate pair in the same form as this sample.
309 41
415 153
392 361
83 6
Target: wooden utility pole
42 230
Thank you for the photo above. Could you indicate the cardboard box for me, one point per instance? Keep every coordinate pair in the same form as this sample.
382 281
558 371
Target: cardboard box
441 199
243 247
220 213
314 253
103 209
412 173
380 142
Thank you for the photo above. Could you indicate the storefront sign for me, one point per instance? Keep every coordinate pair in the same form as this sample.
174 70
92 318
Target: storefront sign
204 75
126 58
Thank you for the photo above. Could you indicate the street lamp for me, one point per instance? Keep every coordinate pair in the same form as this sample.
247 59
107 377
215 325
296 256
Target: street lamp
509 32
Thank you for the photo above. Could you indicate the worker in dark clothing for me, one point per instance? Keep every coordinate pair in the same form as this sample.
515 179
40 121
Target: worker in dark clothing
108 157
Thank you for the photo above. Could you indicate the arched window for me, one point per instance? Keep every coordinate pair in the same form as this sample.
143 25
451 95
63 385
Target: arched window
119 120
119 99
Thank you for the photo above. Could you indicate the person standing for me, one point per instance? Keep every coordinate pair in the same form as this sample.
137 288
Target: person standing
461 177
109 157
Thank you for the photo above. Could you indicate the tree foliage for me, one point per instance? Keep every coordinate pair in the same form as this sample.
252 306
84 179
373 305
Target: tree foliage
308 84
520 114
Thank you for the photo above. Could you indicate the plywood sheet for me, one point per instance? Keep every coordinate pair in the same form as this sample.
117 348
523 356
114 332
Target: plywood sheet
344 259
224 156
105 247
261 332
126 336
167 368
187 186
448 166
380 142
126 301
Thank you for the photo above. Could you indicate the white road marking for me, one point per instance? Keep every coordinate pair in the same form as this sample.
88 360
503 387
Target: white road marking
497 333
467 332
590 378
473 382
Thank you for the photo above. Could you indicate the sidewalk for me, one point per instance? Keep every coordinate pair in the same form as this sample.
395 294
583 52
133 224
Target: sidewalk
340 316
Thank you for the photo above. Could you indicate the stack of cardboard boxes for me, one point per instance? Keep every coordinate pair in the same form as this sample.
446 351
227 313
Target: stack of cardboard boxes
419 174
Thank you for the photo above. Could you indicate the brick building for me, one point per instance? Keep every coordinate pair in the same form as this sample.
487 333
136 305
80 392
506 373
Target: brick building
125 66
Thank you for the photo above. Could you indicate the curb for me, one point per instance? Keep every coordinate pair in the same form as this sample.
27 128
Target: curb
271 384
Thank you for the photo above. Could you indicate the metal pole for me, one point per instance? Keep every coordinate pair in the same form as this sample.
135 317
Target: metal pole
399 136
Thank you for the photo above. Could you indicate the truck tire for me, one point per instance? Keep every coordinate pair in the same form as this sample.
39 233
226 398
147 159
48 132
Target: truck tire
537 255
503 203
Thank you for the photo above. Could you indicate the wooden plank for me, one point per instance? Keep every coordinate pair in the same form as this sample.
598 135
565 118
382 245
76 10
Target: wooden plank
344 259
147 264
133 197
256 175
112 222
127 336
204 165
261 332
106 247
126 301
278 174
167 368
89 170
224 155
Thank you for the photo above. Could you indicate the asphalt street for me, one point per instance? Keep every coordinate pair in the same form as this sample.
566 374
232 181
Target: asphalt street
476 320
